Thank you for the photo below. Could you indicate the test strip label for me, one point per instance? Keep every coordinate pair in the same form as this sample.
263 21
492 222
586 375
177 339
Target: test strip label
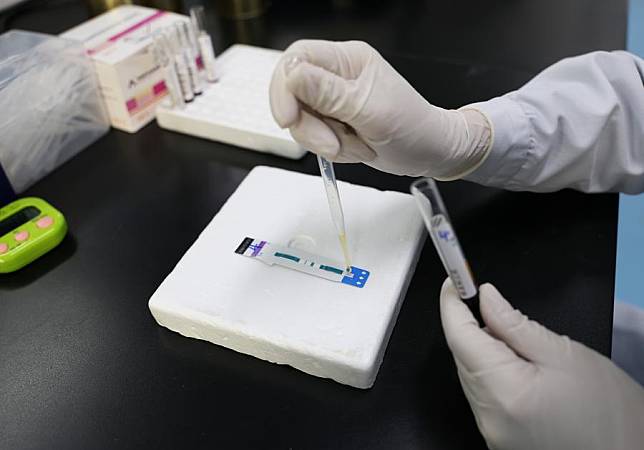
244 245
444 237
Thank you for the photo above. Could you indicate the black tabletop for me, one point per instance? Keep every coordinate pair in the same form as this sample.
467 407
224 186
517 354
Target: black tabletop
83 363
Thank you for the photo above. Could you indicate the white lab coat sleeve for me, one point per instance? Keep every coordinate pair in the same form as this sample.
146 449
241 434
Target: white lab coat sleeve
578 124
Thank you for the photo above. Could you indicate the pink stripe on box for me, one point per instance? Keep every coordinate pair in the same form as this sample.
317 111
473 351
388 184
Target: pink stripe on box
143 100
127 31
159 88
137 25
101 47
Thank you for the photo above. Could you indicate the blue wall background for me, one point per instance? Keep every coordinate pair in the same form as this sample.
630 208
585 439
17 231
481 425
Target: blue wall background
629 278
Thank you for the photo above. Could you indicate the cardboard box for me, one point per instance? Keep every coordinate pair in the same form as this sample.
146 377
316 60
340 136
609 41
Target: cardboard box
130 81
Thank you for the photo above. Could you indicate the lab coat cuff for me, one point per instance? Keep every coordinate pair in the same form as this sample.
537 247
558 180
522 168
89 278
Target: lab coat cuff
510 145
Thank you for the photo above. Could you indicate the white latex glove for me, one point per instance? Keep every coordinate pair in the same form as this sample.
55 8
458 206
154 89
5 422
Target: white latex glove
530 388
320 87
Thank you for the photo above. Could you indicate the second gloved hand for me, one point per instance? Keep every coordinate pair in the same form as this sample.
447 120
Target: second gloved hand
343 101
531 388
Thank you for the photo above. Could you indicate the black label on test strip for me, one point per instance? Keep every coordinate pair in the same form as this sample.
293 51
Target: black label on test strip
244 245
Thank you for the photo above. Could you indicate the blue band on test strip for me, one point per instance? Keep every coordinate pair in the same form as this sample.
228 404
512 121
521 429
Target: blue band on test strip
359 278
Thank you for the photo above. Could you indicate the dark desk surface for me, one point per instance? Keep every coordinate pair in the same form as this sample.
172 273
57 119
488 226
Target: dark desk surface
84 365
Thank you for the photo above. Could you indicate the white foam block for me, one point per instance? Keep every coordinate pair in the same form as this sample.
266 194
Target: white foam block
321 327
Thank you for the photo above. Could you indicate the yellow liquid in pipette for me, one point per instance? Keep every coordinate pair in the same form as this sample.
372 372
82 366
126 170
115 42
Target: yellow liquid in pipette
345 250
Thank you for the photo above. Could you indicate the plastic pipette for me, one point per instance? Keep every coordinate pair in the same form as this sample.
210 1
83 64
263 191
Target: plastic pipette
330 184
439 225
333 196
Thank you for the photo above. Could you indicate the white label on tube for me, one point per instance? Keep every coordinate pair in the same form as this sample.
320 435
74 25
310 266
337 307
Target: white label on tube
184 78
173 86
193 73
452 256
207 57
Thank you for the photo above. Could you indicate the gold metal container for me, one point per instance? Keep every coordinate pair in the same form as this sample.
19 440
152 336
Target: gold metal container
241 9
100 6
166 5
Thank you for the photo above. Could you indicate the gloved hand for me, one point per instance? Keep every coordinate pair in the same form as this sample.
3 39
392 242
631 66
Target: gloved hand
530 388
345 102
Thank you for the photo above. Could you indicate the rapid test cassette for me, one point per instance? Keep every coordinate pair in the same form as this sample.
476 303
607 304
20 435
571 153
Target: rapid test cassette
266 277
302 261
235 109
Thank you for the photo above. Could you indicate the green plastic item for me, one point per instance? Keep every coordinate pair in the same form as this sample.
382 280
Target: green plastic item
29 228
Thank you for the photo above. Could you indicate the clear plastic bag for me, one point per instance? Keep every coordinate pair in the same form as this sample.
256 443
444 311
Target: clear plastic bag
50 105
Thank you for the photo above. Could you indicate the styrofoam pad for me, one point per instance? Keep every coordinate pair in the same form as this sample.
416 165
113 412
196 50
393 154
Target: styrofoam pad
321 327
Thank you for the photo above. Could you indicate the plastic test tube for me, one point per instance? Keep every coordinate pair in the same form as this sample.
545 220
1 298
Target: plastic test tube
180 64
204 43
196 53
163 57
439 226
333 196
185 39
